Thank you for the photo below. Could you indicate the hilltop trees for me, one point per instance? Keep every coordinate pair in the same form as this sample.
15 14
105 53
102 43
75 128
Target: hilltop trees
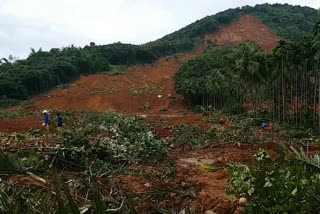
43 70
289 22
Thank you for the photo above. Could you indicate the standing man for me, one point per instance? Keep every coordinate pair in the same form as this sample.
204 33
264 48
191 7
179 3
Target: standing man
270 127
46 119
227 122
60 121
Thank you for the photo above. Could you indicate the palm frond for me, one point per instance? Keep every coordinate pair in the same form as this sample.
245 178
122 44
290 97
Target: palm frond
9 164
300 155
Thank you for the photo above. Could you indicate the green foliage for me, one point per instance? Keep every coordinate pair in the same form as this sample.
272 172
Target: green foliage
100 142
57 197
42 71
32 160
9 114
209 168
290 185
215 77
9 164
193 136
289 22
5 102
282 85
117 70
92 146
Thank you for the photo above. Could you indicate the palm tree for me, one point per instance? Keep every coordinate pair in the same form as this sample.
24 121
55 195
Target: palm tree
316 33
250 69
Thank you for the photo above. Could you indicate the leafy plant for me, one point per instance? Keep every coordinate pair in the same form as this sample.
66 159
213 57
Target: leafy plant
9 163
291 184
190 135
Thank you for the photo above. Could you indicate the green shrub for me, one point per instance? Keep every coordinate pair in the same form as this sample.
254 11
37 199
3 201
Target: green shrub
191 135
289 184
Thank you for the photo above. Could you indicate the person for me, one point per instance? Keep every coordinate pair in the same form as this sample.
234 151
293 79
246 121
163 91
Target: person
60 120
270 127
264 125
46 119
227 122
221 120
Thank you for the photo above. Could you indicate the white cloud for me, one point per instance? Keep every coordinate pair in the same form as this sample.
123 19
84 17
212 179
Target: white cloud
48 24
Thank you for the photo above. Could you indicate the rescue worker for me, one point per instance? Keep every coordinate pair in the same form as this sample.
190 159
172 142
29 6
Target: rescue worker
264 125
46 120
270 127
60 120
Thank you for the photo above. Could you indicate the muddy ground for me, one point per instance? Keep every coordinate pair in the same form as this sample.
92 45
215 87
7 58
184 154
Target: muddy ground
148 91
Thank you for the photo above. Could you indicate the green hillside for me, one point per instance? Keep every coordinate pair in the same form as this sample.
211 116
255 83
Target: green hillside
289 22
282 85
42 71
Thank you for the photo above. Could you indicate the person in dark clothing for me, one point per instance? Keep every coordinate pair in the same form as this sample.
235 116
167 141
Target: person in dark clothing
264 125
60 120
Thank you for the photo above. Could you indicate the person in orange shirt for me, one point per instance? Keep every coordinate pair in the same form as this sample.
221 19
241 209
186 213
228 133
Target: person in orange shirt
221 120
227 122
270 127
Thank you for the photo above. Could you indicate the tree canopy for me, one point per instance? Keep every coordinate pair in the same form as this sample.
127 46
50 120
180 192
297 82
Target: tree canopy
42 70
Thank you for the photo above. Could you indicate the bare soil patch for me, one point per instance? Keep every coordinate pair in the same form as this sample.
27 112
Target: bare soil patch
19 125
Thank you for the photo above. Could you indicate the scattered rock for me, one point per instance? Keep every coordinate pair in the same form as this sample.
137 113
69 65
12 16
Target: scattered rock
209 212
192 161
147 185
243 201
208 161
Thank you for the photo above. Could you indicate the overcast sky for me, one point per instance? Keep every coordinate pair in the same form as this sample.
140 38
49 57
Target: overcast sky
57 23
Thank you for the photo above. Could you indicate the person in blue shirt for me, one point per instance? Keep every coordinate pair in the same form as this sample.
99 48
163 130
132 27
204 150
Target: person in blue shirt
46 119
60 120
264 125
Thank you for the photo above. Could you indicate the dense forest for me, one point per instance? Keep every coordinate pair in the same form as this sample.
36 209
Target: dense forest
283 85
42 70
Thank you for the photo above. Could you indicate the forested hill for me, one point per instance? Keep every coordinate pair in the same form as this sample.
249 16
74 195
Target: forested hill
289 22
42 70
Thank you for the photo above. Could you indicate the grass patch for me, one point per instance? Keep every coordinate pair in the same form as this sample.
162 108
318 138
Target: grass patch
103 91
117 70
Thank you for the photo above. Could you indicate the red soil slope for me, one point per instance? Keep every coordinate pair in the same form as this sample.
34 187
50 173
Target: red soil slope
246 28
19 125
125 93
103 92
